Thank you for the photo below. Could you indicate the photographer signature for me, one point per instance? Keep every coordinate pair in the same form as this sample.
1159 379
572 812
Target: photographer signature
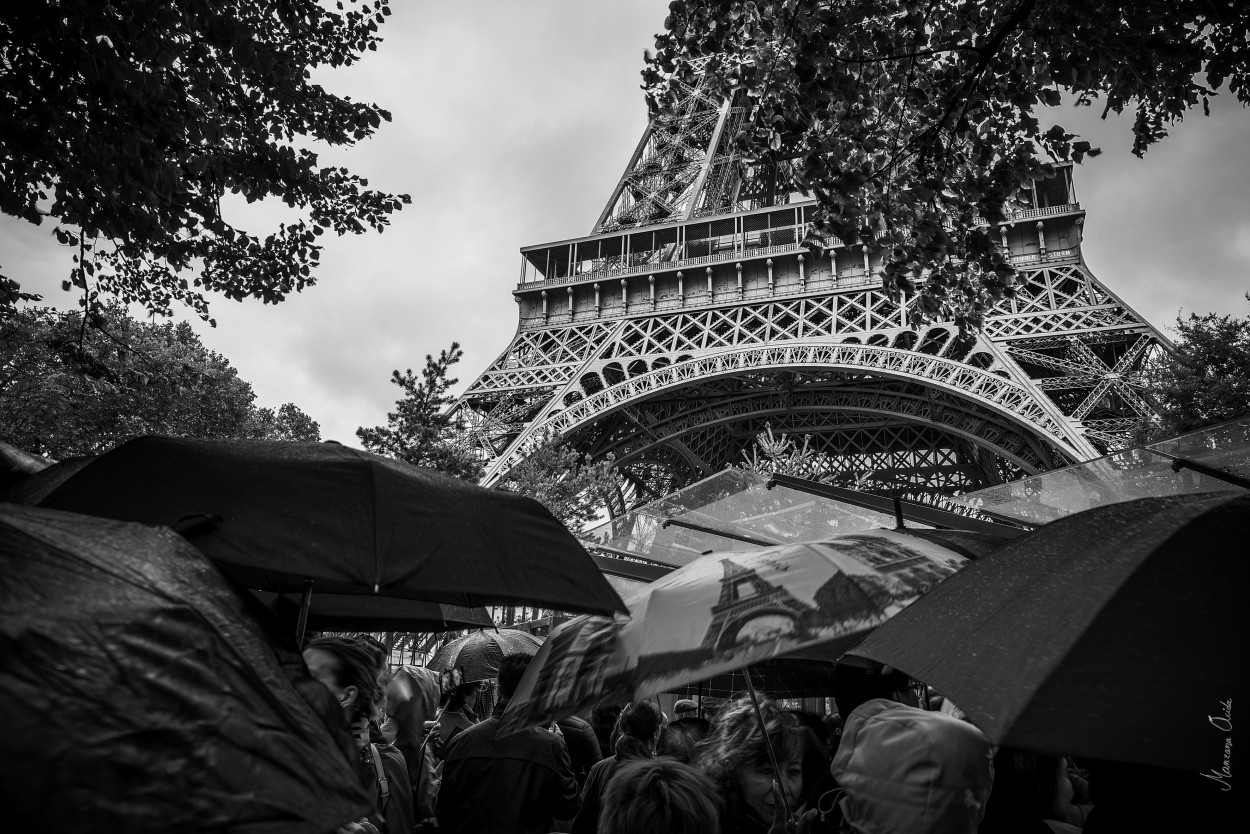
1224 723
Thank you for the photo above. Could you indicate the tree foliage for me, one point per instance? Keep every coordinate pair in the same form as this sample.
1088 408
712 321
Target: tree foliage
573 487
912 124
419 430
73 387
423 432
1206 380
287 423
126 123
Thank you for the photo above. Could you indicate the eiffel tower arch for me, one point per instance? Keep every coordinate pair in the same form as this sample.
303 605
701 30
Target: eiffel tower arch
692 317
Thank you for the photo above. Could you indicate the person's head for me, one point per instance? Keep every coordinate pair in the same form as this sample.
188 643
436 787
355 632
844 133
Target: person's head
461 696
349 669
908 769
815 750
736 758
833 731
685 708
604 717
511 669
659 796
379 650
681 738
637 730
603 720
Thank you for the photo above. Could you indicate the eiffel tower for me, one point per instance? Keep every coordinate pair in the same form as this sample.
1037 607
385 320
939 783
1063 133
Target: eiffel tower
745 596
692 318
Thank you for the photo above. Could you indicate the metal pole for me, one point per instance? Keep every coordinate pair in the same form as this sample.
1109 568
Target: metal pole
768 745
304 603
1184 463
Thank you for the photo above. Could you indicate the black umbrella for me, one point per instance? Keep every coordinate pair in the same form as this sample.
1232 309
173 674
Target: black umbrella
17 464
478 654
276 515
356 612
787 677
1118 633
136 694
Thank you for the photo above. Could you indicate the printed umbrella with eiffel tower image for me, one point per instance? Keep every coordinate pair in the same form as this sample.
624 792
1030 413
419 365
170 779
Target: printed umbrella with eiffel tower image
729 610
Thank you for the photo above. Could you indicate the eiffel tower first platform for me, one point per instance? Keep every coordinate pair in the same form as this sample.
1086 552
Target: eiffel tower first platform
692 318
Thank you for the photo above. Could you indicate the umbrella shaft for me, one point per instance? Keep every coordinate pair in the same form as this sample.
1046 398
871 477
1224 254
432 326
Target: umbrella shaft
768 744
305 603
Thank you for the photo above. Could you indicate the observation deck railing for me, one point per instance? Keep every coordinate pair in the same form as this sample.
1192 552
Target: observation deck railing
739 237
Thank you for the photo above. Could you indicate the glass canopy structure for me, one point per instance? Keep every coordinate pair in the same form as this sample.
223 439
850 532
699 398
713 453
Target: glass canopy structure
1208 460
736 510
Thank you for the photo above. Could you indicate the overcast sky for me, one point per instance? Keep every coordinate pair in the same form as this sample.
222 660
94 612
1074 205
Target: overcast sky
513 120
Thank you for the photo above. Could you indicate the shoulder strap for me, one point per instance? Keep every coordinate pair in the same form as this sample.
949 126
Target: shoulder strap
384 786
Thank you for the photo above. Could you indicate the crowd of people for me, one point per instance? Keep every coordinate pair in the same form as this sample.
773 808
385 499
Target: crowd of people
881 764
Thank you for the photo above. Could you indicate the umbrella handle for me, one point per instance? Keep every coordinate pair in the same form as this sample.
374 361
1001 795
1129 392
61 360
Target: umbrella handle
768 745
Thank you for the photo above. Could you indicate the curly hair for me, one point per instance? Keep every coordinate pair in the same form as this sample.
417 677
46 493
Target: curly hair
736 743
681 738
654 795
358 664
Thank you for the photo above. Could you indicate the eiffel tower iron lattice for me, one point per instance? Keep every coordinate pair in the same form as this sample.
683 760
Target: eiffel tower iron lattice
692 318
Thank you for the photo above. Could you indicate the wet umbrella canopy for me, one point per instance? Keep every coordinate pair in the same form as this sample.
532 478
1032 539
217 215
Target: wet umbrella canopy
136 694
479 653
16 465
274 514
356 612
724 611
1117 633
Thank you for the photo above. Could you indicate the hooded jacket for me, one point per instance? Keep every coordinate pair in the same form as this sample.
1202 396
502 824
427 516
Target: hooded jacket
910 771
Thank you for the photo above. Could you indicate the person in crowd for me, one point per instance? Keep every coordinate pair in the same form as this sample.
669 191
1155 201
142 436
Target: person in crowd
637 731
816 777
521 783
603 720
412 696
349 668
1031 795
659 796
680 739
905 769
685 708
458 713
833 731
583 745
735 757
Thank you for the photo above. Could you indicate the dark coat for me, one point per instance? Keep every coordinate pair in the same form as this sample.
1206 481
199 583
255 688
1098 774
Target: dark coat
518 784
